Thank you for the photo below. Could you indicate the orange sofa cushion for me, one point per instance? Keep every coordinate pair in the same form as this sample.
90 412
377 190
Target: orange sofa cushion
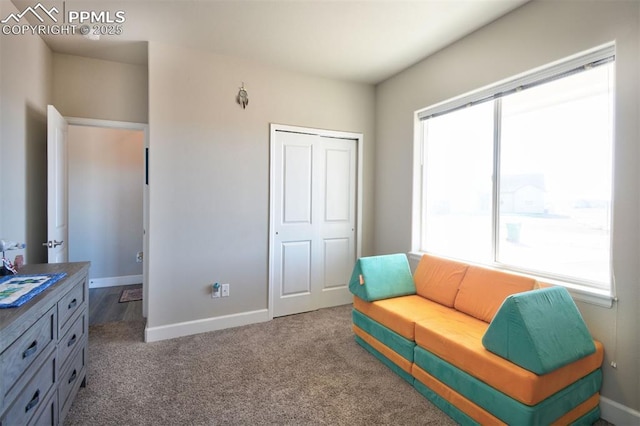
400 314
457 338
438 279
483 290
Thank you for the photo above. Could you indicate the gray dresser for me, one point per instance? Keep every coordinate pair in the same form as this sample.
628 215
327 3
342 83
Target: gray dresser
43 349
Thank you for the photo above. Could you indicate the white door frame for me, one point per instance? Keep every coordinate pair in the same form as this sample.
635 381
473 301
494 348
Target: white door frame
126 125
358 137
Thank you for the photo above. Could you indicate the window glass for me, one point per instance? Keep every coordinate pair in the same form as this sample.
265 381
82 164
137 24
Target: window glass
550 147
555 177
457 183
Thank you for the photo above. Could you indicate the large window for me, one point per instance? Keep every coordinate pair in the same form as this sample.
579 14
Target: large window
520 175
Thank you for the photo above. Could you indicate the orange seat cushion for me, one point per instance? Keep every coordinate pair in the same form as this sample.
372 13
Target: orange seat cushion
400 314
438 279
457 338
483 290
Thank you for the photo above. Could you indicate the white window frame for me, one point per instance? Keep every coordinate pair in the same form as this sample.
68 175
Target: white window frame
601 297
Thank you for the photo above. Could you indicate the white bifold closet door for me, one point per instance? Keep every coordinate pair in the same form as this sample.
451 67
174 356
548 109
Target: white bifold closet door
314 226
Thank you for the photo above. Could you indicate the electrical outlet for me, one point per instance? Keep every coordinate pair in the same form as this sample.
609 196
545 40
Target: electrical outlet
215 291
225 290
139 257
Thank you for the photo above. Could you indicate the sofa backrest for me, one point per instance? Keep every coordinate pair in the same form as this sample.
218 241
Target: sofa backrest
483 290
438 279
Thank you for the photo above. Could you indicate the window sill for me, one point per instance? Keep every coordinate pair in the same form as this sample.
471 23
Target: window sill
579 293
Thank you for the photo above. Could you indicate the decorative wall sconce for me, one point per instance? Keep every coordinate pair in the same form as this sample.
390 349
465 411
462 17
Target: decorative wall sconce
243 97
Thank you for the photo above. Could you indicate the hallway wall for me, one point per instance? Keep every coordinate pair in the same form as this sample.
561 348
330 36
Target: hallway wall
106 178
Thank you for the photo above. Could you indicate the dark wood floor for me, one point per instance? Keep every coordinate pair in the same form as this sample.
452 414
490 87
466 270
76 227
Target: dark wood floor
104 305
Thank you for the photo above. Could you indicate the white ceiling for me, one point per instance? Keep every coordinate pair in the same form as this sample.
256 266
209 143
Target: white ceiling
364 41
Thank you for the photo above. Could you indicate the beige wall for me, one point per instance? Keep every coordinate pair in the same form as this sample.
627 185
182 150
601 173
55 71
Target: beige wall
209 174
106 177
98 89
25 91
534 35
210 159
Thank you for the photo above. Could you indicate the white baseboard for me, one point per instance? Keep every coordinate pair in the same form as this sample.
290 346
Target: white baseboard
115 281
618 414
171 331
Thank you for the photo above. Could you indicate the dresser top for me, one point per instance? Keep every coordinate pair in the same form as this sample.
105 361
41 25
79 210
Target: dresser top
12 318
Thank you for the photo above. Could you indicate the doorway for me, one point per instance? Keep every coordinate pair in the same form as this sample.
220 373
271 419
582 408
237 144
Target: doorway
108 199
315 205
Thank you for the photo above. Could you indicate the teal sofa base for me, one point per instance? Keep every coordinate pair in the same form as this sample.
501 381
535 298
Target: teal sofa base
501 406
386 361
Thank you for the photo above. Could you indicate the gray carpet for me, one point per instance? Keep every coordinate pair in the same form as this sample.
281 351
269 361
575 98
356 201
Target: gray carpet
299 370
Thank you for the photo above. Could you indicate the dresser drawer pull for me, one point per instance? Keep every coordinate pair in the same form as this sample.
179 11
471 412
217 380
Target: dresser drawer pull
30 350
34 401
73 376
71 341
73 304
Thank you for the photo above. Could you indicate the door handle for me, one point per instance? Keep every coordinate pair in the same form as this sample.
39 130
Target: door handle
52 244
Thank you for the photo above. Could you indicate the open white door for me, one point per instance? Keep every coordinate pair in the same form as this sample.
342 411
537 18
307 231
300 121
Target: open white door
57 183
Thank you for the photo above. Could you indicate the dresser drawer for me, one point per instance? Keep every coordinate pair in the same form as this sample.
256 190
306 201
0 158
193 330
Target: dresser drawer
34 394
75 337
70 380
68 305
48 414
21 354
43 349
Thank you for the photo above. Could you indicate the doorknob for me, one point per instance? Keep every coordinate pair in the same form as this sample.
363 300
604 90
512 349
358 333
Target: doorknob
52 244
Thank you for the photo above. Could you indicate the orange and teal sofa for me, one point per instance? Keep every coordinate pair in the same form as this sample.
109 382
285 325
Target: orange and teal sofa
486 346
